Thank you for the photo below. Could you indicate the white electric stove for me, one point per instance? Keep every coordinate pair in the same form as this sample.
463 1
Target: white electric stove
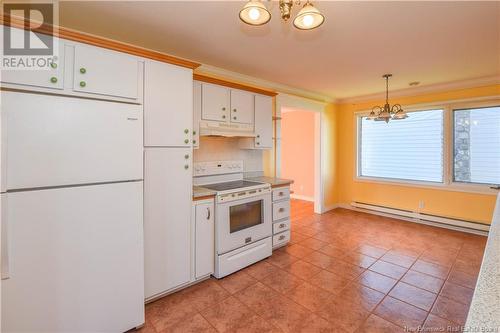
243 217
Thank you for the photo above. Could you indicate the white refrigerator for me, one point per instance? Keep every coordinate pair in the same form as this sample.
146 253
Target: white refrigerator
72 232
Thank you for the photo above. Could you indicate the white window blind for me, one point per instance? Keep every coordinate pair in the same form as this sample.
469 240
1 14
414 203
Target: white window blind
476 145
407 149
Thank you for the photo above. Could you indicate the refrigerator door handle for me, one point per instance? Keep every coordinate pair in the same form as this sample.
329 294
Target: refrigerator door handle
5 266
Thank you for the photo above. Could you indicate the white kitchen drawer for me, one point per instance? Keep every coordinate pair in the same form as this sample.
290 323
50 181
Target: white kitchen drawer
281 193
281 239
244 256
281 210
281 226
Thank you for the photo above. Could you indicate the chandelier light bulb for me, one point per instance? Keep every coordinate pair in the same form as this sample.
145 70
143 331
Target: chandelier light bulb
308 20
254 14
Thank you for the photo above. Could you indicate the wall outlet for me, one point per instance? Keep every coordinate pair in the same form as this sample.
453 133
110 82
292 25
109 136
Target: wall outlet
421 204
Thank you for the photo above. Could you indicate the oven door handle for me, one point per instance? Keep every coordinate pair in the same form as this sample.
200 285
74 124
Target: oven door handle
208 213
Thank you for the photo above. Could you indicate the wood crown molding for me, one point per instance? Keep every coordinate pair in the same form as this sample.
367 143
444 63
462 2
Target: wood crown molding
232 84
81 37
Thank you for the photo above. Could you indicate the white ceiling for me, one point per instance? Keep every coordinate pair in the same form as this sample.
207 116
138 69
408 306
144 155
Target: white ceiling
430 42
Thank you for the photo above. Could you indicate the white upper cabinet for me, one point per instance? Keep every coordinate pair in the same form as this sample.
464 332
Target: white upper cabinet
51 77
263 121
215 102
168 105
242 107
104 72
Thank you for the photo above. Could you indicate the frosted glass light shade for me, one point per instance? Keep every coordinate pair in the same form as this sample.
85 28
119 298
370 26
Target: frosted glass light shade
255 13
308 18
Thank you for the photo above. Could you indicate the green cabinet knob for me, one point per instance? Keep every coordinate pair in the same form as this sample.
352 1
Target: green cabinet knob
83 70
194 141
223 116
258 135
194 132
223 109
186 156
257 143
186 141
186 167
82 84
53 65
234 118
234 110
53 79
186 131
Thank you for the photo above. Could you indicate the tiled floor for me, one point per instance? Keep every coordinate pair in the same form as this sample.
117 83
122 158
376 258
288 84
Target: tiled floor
343 271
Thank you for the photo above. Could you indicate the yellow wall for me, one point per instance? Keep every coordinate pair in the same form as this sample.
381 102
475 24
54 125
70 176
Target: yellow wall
330 155
345 189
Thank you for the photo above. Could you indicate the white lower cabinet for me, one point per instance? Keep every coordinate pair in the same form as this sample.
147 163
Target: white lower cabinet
203 236
167 217
281 216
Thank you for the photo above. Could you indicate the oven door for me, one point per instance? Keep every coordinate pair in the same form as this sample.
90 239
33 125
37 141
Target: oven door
242 222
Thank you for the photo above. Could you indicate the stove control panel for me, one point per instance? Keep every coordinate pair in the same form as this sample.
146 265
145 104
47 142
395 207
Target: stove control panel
217 168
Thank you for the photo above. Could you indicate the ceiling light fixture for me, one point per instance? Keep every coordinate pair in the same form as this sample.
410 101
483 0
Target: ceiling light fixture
387 112
255 13
309 17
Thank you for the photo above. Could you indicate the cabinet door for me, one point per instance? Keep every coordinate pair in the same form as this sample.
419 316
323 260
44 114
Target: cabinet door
263 121
51 77
168 105
242 107
196 114
215 102
204 240
167 216
104 72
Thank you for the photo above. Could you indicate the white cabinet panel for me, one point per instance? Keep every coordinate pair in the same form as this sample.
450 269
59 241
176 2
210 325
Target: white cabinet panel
53 140
76 260
196 114
52 77
242 107
281 209
281 193
105 72
215 102
204 239
168 105
167 216
263 121
281 239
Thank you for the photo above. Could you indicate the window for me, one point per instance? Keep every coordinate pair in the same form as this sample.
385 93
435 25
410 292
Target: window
407 149
476 145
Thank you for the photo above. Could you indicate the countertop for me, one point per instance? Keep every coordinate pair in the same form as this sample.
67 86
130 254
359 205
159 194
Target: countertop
271 180
202 192
484 311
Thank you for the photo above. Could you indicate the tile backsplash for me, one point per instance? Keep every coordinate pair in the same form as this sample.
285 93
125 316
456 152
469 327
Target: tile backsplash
214 148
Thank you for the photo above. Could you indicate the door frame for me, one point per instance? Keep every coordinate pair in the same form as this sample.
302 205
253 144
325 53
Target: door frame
295 103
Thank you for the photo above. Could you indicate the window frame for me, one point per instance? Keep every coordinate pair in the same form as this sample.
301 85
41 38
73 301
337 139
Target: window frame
448 182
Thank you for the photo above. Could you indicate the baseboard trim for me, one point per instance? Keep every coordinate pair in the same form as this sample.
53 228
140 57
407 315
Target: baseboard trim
413 220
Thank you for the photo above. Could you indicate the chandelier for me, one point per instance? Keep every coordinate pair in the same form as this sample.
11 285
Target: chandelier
387 112
309 17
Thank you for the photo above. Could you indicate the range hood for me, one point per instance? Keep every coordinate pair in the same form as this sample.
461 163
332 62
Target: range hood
215 128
